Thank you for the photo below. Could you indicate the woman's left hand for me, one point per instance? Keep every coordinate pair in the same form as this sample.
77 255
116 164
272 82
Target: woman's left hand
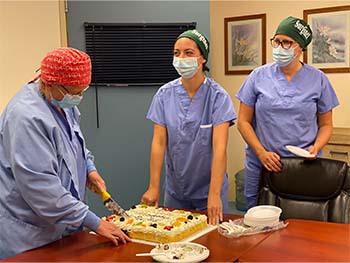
214 209
95 182
313 150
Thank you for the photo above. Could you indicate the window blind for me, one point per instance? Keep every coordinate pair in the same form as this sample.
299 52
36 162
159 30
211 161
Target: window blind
132 54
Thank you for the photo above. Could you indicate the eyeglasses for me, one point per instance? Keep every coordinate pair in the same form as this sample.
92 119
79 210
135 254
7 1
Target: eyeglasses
286 44
69 92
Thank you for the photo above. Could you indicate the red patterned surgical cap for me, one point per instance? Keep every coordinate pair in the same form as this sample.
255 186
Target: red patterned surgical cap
66 66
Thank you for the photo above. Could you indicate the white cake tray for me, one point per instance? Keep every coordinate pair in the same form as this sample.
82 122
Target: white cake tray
190 238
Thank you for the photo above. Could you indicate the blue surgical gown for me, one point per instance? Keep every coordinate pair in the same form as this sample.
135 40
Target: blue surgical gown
189 125
284 113
43 161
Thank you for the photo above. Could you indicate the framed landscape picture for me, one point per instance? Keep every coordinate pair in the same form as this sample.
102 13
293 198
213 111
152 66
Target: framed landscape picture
245 43
330 47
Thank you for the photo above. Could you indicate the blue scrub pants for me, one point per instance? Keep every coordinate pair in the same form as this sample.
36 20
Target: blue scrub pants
195 204
252 176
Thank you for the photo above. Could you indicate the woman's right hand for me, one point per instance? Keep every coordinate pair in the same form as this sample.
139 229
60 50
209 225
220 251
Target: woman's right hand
271 161
112 232
150 197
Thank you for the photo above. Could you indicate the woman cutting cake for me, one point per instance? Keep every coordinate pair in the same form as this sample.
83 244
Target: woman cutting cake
44 163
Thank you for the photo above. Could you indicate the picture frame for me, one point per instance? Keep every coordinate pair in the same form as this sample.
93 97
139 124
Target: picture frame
329 49
245 43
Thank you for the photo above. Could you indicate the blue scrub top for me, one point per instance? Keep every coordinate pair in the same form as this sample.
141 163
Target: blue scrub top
189 125
70 126
286 112
43 158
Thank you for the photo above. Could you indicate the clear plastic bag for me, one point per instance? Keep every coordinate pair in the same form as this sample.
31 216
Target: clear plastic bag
237 228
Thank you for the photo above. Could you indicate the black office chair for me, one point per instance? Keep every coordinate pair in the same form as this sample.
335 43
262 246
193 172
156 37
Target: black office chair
308 189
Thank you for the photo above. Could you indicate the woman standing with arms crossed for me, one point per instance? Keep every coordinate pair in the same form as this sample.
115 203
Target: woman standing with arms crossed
191 118
284 103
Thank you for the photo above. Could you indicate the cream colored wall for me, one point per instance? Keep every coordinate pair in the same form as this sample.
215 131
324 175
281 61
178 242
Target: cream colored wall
275 12
28 30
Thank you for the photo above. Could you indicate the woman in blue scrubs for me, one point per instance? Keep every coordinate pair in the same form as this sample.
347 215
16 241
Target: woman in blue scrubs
44 163
284 103
191 116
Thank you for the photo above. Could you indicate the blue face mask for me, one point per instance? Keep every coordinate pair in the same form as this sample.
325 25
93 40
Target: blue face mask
186 67
282 56
68 101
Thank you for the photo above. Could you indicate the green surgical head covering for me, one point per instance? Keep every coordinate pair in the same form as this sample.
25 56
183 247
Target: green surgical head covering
200 40
297 29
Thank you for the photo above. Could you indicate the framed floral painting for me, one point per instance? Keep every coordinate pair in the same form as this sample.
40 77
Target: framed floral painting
245 43
330 47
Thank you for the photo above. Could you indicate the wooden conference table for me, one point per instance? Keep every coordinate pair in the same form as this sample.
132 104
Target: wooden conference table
301 240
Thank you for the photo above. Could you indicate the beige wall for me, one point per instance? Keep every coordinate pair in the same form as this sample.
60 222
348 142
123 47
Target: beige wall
28 30
275 12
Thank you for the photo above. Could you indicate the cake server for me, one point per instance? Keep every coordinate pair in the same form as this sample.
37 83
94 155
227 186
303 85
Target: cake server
169 255
112 205
150 254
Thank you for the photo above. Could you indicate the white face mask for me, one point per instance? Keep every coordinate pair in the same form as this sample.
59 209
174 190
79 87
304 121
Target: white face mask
68 101
186 67
282 56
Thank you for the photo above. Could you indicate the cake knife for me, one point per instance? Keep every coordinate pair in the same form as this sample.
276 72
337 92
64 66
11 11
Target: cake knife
112 205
